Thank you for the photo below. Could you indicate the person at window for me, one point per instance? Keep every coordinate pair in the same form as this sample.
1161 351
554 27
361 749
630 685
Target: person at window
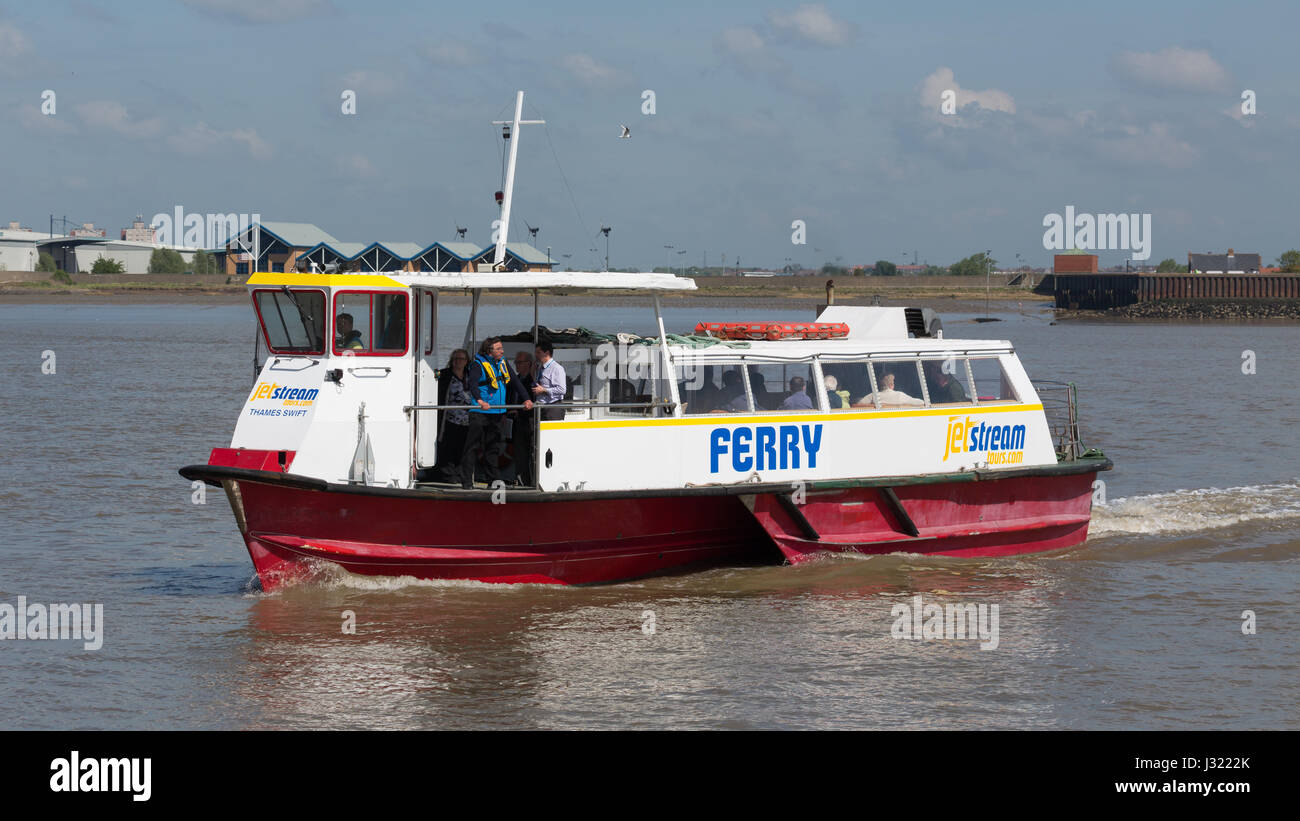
836 397
733 398
348 339
886 394
490 383
944 388
550 382
798 398
453 389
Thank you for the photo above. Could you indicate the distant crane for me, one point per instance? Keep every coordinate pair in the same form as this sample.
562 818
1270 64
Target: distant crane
605 229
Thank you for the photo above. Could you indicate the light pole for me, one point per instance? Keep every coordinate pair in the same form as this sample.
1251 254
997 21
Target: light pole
668 258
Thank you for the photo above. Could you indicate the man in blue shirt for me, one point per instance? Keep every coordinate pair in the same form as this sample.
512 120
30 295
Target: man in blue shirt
798 398
490 382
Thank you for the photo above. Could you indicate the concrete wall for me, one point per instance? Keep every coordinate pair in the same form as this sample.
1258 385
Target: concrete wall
135 259
17 255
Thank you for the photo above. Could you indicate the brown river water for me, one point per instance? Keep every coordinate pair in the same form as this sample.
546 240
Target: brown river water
1141 627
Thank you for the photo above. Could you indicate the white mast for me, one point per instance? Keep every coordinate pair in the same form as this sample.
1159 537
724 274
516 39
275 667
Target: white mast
500 255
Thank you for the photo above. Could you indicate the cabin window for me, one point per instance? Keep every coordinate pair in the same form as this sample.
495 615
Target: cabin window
991 382
783 386
292 319
712 388
370 323
631 377
947 381
241 269
425 322
846 383
897 385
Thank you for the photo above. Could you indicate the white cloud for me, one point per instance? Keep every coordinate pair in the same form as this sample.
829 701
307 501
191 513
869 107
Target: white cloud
450 53
740 40
260 11
31 118
1152 145
13 43
113 116
364 81
357 165
812 23
590 71
1172 69
202 138
943 79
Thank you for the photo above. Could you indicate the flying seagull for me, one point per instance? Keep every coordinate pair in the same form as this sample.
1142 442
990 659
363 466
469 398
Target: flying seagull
627 132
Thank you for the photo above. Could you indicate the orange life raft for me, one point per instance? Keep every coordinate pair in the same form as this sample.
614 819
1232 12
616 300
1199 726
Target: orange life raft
773 330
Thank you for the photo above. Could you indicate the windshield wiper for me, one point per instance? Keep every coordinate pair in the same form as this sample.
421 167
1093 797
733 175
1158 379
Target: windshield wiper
309 324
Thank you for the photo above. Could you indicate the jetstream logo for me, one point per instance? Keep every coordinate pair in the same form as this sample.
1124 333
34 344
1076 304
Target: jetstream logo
293 401
1004 444
765 447
289 396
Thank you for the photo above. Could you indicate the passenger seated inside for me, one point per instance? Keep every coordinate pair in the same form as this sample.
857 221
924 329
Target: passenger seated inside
944 388
758 385
733 398
836 397
348 339
698 393
887 395
798 398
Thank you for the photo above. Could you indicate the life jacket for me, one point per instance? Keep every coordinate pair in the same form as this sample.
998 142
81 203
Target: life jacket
496 375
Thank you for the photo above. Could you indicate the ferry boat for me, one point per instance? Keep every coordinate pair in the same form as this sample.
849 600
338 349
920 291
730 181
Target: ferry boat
866 431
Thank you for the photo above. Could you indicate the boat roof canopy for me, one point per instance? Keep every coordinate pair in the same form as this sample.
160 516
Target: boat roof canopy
496 281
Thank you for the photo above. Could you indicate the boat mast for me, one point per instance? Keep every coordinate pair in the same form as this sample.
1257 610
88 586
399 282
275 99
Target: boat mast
500 255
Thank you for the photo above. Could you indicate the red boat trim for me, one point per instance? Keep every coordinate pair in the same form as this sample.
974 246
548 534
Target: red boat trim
215 475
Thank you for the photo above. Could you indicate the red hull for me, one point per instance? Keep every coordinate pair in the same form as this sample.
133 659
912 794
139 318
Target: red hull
1025 514
584 540
556 542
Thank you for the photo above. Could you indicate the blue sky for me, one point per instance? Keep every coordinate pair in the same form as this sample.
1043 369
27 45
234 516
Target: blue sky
766 113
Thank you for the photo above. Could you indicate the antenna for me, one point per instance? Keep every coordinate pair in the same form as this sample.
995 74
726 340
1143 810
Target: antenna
500 256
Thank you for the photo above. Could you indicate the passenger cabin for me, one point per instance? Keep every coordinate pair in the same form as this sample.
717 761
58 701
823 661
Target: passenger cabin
347 371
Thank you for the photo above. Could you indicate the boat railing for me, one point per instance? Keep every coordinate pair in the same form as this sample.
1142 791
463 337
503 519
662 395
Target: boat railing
1061 407
538 406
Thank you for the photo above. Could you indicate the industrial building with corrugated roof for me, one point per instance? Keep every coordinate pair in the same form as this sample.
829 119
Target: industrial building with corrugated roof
287 246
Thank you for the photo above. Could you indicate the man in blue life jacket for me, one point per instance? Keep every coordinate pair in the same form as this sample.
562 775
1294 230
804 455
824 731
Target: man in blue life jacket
489 381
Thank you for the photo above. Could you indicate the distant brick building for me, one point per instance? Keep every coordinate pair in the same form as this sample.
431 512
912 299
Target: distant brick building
1074 264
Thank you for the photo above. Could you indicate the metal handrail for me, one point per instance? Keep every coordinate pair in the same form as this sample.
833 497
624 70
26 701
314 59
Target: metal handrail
1061 407
664 403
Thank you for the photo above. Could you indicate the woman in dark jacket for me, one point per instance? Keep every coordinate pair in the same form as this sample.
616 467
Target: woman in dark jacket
452 423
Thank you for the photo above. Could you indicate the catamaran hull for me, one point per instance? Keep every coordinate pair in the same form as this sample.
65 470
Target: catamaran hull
1026 514
288 531
293 525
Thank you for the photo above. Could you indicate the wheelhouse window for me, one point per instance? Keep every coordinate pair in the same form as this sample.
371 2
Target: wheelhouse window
370 323
292 319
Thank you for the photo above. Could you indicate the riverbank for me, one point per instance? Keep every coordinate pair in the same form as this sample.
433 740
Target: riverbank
948 294
1195 309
